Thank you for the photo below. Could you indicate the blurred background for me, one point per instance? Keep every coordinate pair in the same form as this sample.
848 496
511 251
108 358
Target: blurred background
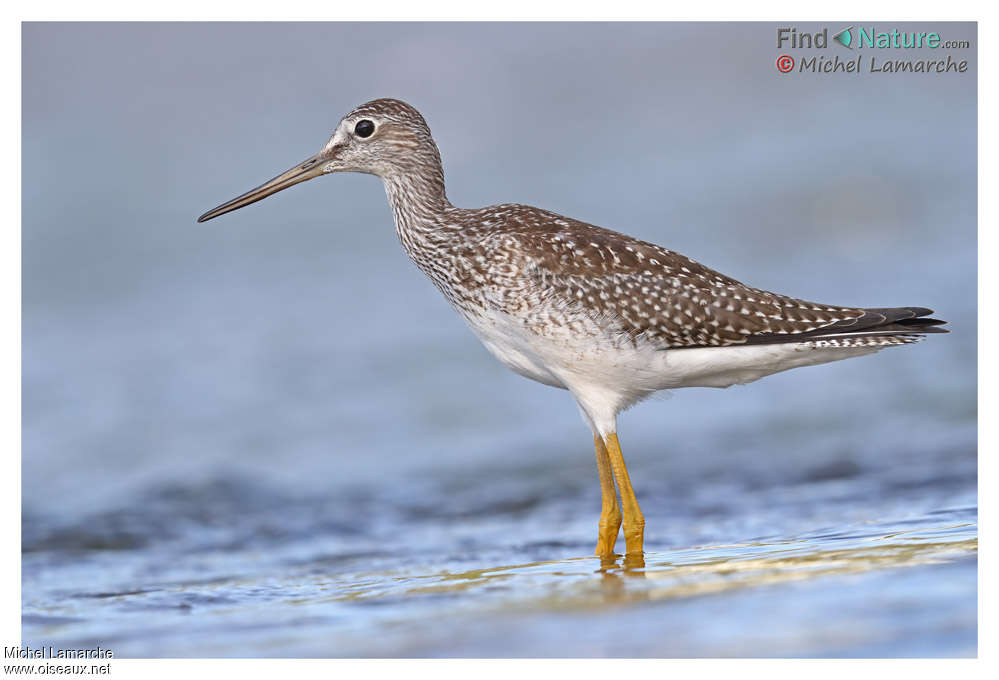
284 380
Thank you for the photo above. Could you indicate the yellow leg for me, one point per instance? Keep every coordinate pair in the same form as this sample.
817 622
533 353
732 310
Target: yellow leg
610 514
634 522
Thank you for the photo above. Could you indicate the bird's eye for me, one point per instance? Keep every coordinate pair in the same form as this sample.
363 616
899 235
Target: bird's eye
364 128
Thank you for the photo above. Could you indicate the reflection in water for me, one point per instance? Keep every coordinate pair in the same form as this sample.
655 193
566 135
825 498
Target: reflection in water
628 563
567 584
632 562
372 604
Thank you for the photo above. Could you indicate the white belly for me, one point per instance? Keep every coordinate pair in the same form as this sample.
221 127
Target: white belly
610 374
517 348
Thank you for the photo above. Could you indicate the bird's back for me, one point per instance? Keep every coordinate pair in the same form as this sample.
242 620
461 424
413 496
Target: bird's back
521 260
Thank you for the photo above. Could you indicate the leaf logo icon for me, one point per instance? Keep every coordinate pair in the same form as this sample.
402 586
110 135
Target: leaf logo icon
844 37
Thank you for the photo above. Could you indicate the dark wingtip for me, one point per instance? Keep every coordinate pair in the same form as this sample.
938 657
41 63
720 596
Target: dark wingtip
923 323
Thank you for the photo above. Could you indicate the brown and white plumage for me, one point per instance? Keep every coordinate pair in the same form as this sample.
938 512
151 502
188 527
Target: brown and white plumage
610 318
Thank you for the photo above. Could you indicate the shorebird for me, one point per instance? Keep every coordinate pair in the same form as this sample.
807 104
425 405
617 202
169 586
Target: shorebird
609 318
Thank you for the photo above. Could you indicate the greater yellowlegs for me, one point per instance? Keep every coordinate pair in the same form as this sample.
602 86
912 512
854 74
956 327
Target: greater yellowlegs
608 317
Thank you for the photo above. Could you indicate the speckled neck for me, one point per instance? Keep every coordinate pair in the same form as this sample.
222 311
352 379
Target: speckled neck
415 190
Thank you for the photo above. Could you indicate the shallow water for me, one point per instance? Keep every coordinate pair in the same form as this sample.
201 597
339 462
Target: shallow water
236 569
269 436
798 596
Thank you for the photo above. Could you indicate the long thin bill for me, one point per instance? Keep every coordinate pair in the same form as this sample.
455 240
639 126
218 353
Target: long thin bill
305 170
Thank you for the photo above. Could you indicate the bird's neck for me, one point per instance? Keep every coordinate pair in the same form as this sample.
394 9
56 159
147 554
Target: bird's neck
419 205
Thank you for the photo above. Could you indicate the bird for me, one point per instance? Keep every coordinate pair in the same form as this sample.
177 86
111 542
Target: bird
610 318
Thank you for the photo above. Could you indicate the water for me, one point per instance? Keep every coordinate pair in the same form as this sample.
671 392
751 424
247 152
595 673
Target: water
268 436
286 576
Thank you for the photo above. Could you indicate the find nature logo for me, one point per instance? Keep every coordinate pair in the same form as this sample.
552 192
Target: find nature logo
881 43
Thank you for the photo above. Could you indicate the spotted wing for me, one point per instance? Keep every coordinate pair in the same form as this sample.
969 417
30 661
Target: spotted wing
665 298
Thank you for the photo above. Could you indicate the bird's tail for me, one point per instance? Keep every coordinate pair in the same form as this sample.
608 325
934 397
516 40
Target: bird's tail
884 322
879 326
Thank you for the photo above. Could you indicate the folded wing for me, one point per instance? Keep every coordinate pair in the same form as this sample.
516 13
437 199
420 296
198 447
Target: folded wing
659 296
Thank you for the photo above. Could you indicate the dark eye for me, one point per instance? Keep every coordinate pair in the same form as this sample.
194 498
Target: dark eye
364 128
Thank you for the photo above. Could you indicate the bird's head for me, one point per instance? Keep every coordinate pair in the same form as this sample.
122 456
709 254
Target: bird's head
384 137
